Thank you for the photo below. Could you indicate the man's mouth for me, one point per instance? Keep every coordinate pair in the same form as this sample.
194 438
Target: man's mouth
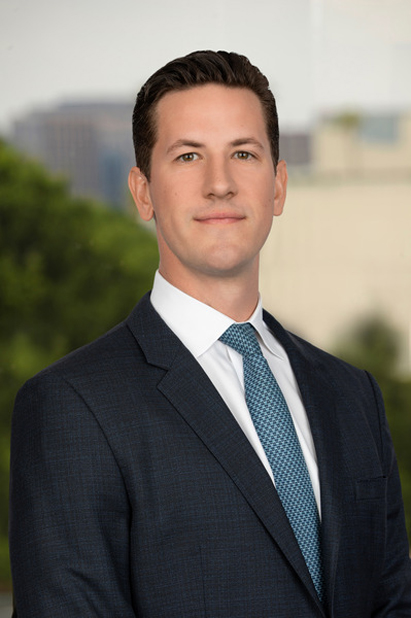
220 218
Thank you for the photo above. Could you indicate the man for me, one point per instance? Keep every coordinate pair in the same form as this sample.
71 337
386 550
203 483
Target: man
163 471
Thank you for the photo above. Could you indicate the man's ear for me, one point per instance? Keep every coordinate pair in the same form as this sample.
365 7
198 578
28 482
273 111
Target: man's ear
280 188
140 191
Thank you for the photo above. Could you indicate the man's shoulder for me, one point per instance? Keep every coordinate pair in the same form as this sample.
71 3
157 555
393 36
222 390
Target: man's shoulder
94 359
324 359
116 348
110 374
298 347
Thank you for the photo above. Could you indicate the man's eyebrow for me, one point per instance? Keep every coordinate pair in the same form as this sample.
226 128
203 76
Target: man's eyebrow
244 141
184 143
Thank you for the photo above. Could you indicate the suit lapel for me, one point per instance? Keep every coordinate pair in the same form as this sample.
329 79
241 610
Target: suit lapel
192 394
216 427
319 400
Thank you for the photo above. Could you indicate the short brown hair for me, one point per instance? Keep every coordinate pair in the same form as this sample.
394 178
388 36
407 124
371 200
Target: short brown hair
197 69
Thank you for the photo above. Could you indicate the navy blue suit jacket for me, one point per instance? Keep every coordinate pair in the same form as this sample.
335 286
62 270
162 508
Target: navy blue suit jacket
134 492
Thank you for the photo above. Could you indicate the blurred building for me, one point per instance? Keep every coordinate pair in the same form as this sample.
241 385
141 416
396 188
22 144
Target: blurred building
90 144
341 251
353 145
296 149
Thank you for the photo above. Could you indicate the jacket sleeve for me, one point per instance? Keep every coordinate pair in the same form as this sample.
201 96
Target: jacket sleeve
394 592
69 513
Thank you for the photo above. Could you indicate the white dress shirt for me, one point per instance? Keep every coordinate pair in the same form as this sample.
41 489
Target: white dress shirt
199 327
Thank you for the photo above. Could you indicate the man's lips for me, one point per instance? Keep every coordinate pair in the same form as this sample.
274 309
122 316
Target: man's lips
220 218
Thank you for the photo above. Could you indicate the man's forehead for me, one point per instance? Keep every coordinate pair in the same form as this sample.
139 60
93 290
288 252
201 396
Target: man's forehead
211 101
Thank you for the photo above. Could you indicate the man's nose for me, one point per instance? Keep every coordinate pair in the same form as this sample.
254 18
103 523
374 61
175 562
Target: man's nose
219 181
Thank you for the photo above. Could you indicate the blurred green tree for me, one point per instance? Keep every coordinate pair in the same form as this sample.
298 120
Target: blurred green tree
372 344
375 346
70 269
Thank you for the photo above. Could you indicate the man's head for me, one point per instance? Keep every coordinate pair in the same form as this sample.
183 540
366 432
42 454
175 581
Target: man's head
196 69
207 171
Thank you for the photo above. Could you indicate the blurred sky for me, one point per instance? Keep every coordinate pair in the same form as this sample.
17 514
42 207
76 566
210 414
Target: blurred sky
320 55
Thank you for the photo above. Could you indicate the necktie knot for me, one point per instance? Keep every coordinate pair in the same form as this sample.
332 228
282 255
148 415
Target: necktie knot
242 338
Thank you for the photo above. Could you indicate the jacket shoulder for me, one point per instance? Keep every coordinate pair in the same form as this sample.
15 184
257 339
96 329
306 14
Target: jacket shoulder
109 353
295 344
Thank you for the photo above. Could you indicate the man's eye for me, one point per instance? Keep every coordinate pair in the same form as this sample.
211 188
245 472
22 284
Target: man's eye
243 155
187 157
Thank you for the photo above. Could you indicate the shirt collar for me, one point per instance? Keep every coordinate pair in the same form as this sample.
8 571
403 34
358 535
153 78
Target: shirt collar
198 325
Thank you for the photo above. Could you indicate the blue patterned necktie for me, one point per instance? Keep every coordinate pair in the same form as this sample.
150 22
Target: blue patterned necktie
275 429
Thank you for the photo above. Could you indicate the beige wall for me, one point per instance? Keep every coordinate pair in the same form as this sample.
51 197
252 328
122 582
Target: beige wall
339 252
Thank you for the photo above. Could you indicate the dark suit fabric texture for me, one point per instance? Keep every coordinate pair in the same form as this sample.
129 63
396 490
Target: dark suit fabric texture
134 492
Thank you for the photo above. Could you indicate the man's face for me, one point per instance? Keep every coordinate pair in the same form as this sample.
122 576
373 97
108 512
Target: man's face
213 190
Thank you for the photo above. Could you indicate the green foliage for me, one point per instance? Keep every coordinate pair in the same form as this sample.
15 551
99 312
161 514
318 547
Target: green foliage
397 395
69 270
374 345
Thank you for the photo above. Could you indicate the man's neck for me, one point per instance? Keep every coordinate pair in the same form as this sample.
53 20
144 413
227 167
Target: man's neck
235 297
